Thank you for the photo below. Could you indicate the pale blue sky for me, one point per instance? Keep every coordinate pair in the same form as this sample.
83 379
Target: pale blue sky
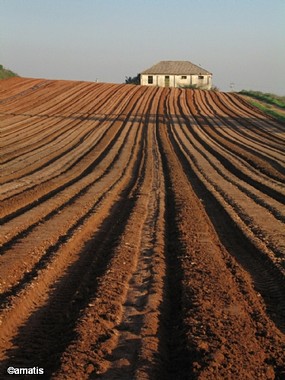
239 41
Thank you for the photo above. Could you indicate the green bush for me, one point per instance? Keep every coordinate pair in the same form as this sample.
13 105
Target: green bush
5 73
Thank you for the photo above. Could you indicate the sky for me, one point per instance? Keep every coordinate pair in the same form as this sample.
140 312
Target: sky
242 42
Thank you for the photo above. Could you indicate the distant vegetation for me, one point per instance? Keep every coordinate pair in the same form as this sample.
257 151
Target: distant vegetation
195 87
133 80
5 73
266 97
271 104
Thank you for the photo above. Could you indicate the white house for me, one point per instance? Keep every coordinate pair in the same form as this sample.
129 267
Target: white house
176 74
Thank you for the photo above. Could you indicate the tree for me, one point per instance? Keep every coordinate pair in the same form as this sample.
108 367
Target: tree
133 80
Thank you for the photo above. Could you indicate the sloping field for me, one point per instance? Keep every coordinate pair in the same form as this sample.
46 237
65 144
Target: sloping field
142 233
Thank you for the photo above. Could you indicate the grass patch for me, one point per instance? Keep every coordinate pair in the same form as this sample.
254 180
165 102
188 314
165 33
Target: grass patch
5 73
277 115
276 100
271 104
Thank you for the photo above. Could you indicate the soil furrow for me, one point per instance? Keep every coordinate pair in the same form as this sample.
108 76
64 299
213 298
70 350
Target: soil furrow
249 129
65 163
62 216
256 159
78 278
275 155
136 352
72 174
229 162
271 234
202 259
257 263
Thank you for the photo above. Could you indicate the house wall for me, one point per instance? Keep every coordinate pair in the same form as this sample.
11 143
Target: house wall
203 83
178 81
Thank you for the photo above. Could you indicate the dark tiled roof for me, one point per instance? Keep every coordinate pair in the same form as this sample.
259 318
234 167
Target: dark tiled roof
176 68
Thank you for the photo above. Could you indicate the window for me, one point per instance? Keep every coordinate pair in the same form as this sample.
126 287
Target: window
200 76
150 79
166 80
183 76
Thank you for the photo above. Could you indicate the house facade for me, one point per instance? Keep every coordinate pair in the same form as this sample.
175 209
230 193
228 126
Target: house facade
176 74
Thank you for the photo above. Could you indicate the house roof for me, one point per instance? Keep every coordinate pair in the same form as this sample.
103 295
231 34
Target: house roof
176 68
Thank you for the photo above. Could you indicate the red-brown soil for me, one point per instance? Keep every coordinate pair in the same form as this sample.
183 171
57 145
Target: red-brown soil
142 233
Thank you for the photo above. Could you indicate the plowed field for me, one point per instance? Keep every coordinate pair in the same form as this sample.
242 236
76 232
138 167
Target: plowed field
142 233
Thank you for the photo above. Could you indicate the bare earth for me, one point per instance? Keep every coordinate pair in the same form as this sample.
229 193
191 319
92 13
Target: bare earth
142 233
